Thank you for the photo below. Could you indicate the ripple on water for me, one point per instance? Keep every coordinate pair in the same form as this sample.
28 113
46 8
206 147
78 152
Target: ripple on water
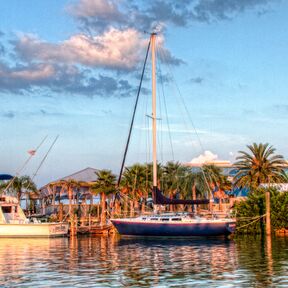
114 262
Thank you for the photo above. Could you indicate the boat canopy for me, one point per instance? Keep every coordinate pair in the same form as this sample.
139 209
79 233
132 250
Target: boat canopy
160 199
5 177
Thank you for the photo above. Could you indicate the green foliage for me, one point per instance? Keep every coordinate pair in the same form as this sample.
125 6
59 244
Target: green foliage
19 186
106 183
279 209
253 207
172 177
137 181
262 165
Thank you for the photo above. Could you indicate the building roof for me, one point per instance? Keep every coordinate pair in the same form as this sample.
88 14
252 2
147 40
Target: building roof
86 175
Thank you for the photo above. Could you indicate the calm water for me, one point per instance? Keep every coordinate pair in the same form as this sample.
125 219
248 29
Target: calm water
114 262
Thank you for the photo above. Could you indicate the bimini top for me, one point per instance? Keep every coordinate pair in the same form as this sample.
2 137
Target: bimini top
159 198
5 177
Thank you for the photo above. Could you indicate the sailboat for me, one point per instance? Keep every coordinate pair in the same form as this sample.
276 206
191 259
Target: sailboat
169 224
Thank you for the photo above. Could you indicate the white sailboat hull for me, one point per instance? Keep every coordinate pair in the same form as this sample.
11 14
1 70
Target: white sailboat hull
34 230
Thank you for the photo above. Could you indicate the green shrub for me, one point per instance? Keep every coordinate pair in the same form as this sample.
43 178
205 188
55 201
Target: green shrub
248 211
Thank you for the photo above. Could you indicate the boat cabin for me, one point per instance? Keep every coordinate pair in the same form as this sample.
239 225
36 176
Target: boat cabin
10 211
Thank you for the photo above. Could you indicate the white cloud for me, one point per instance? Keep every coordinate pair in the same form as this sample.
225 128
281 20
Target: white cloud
207 156
88 8
114 49
40 72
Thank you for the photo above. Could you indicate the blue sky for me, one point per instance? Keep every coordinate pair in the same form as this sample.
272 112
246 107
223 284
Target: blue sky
71 68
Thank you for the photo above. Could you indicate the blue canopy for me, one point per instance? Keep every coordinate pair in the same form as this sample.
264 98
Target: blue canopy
5 177
240 192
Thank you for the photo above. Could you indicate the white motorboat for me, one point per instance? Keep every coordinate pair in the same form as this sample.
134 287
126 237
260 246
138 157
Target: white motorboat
13 222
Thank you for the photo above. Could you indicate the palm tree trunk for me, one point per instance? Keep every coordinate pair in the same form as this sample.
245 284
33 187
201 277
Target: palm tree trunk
211 202
70 201
268 213
125 207
131 208
171 207
194 198
143 206
103 209
136 206
220 204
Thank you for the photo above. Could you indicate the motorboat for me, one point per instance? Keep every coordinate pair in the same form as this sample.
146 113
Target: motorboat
14 223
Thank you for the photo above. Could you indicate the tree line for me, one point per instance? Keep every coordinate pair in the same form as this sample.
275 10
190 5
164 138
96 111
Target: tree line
255 167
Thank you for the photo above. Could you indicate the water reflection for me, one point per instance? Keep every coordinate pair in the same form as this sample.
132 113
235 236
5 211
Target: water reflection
111 261
264 261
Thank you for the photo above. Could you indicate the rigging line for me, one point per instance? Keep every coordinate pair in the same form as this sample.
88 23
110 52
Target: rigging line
147 147
45 157
42 161
147 155
33 152
192 123
251 222
161 129
166 110
133 117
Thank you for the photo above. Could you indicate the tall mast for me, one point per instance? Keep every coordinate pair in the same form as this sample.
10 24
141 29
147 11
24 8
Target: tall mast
153 56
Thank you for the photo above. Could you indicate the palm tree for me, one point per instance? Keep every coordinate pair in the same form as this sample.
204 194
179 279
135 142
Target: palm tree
202 182
193 184
70 186
19 186
173 175
135 182
105 185
212 176
260 166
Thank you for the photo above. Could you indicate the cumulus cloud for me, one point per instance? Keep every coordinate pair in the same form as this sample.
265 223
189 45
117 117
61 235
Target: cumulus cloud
146 15
115 43
59 78
97 13
23 77
115 49
206 157
209 10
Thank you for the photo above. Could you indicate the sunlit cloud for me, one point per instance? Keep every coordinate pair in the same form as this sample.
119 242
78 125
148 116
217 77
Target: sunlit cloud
115 49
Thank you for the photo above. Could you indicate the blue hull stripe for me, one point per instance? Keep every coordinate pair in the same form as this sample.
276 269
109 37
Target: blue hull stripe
181 229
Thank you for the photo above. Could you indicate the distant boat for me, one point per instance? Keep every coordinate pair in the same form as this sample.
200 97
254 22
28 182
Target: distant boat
175 224
13 222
